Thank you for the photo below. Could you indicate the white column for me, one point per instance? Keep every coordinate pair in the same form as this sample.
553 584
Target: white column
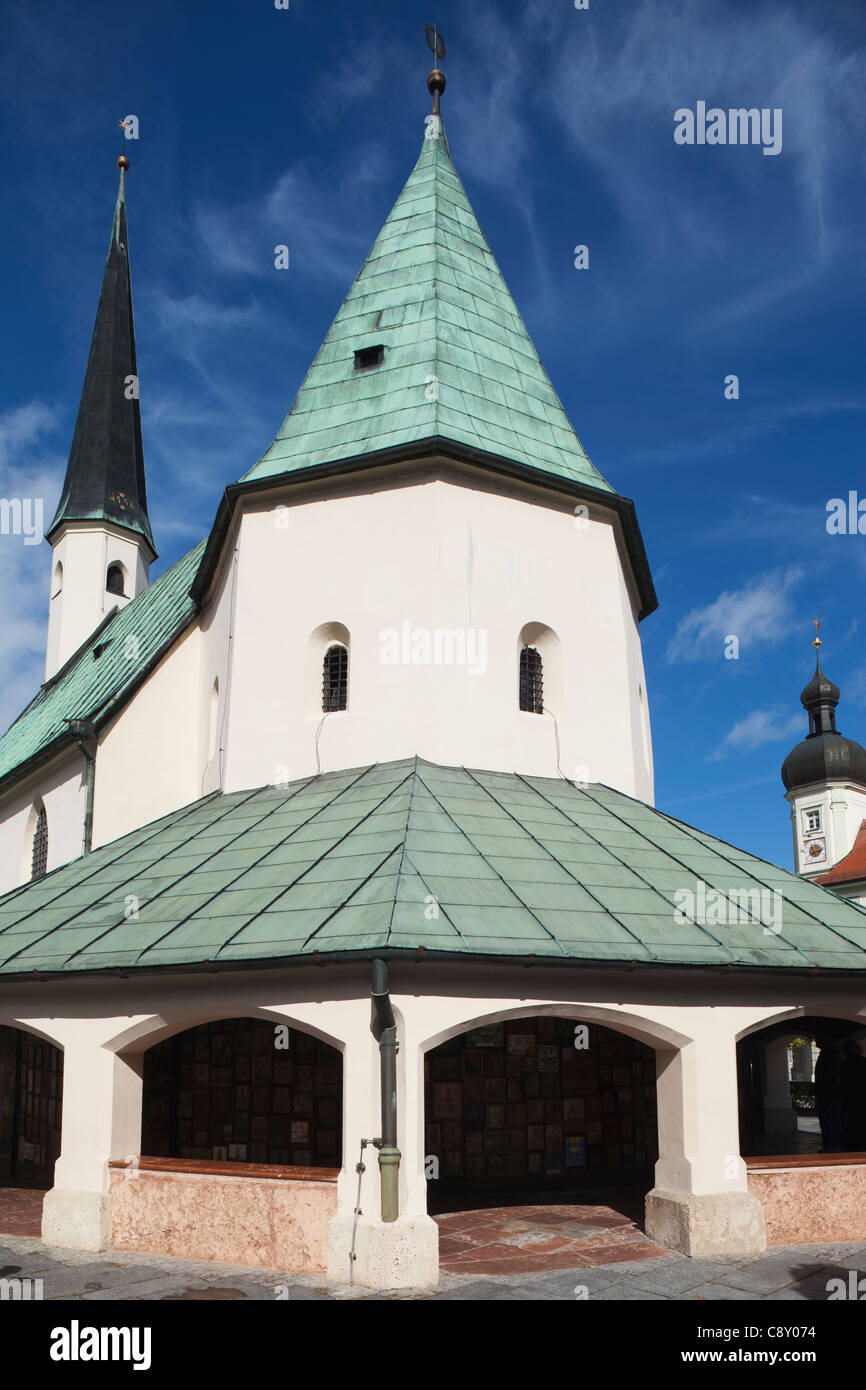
395 1254
101 1120
700 1204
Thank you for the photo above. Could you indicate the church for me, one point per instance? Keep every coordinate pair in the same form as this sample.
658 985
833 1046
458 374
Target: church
332 887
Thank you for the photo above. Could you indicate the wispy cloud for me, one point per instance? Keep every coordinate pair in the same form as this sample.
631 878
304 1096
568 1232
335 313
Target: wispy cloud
30 469
616 88
760 727
741 435
761 611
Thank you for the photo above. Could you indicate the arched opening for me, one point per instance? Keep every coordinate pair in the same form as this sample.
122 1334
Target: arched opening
114 580
243 1090
39 843
31 1097
335 679
802 1089
539 670
57 580
541 1112
326 670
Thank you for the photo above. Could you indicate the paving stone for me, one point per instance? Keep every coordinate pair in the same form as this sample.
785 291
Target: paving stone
673 1280
767 1276
715 1293
626 1292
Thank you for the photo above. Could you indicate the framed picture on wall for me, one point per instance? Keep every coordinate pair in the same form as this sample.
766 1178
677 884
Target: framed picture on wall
575 1151
492 1035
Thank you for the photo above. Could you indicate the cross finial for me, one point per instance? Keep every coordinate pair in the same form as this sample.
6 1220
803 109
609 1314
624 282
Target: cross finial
817 642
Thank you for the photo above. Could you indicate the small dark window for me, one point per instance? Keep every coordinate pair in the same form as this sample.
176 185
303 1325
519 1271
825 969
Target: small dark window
531 681
368 357
39 862
335 679
114 580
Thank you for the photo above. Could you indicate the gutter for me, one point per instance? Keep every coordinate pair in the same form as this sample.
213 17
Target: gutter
81 729
384 1028
418 955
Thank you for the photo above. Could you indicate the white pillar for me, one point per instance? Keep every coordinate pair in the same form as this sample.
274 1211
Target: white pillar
102 1095
394 1254
700 1204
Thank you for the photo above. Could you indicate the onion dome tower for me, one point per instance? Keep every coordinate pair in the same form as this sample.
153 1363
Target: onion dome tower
825 780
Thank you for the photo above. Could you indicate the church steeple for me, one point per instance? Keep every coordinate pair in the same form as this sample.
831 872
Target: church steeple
101 540
429 346
825 779
105 474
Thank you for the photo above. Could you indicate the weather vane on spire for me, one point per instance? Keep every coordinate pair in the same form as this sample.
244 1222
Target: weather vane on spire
123 162
817 642
436 80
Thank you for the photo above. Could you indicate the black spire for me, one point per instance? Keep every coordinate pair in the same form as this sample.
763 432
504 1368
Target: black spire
105 474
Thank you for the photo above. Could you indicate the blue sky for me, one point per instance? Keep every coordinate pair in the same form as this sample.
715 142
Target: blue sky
261 126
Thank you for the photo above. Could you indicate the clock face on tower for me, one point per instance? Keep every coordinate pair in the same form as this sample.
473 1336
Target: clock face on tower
815 851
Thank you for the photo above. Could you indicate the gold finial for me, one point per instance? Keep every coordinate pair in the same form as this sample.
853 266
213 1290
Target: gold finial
436 79
123 163
817 642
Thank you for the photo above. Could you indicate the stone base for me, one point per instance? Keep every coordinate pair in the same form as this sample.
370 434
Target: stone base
401 1254
77 1220
720 1223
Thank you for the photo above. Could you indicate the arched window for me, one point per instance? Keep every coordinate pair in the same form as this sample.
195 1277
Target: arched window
114 580
531 681
335 678
39 861
57 580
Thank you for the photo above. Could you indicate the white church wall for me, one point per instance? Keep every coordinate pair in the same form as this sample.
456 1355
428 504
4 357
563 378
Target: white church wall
58 786
404 567
150 759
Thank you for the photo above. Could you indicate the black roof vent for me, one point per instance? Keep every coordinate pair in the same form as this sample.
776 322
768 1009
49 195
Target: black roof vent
368 357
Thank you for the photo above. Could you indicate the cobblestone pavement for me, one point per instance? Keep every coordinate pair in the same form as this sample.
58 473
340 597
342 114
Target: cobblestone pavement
798 1272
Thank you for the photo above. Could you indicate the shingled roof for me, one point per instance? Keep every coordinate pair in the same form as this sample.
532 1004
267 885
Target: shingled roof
105 670
405 855
458 363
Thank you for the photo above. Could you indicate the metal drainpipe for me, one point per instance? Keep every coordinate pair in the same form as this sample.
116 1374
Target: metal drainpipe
82 729
385 1030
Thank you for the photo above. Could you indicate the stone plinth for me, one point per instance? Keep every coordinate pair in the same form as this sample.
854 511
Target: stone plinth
267 1222
801 1204
717 1223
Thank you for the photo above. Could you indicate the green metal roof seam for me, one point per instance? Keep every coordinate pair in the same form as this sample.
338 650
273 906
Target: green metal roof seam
701 926
525 905
682 824
584 886
96 870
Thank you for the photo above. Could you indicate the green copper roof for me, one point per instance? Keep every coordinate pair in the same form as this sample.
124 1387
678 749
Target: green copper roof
105 474
458 362
408 854
107 668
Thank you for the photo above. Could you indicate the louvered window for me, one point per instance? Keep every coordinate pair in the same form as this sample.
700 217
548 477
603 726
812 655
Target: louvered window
531 681
335 679
39 862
